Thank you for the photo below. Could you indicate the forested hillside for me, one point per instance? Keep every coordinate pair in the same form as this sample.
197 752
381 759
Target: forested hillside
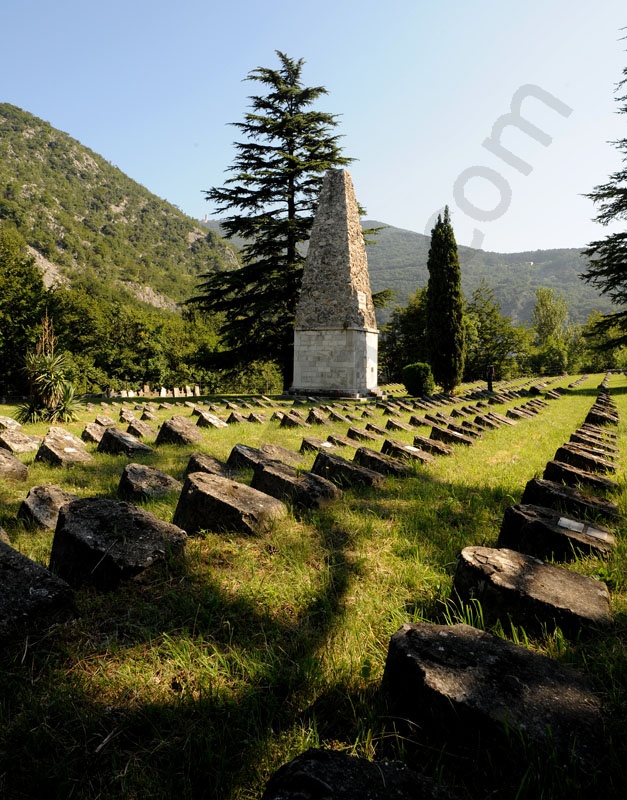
99 227
398 261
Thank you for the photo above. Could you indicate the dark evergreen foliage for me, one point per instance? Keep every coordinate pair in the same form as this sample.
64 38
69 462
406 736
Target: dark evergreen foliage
418 379
22 302
445 306
276 178
404 338
607 270
491 339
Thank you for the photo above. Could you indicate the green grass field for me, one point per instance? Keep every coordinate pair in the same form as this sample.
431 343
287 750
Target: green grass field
202 681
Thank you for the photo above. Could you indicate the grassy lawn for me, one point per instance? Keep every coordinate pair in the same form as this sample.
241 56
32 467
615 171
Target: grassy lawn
202 681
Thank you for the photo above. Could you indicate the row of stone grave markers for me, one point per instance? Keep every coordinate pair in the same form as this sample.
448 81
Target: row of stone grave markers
460 680
83 550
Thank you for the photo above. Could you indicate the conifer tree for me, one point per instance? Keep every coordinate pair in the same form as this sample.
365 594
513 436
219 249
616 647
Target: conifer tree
271 196
608 257
445 306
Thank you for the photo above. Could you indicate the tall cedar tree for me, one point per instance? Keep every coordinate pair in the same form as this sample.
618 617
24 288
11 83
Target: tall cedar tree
445 306
277 176
608 257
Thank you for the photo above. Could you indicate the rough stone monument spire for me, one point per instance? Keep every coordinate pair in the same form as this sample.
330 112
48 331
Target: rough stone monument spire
335 335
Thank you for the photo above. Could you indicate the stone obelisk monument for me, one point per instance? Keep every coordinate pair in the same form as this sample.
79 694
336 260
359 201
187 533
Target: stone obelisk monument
335 335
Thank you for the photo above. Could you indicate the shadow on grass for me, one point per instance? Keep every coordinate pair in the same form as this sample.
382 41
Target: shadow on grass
214 731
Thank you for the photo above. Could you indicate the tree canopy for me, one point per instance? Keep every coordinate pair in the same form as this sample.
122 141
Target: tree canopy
607 270
270 200
445 306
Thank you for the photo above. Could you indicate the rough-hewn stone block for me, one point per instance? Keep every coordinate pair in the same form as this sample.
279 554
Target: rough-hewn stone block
572 476
576 456
344 473
380 462
449 437
118 442
468 687
178 430
529 592
42 504
540 492
210 502
17 442
140 482
546 533
101 542
408 452
32 598
11 466
285 482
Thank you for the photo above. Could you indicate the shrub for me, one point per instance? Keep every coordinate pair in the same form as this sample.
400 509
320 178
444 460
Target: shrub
418 379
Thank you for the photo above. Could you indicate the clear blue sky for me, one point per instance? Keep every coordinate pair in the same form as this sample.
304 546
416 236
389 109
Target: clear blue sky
418 85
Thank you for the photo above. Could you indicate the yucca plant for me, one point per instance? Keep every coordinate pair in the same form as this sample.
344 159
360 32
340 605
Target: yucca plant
51 394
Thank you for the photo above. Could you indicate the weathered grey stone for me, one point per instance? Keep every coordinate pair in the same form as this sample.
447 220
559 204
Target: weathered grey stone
449 436
340 441
285 482
501 418
335 336
465 430
373 428
256 418
379 462
32 598
332 775
335 416
236 418
148 416
361 435
17 442
105 421
92 433
210 502
244 457
208 420
529 592
11 467
201 462
291 420
398 425
101 542
484 421
540 492
408 452
576 456
596 444
42 505
433 446
9 424
597 416
546 533
275 452
178 430
317 417
344 473
419 422
517 413
468 688
572 476
140 482
126 415
117 442
61 448
311 444
140 429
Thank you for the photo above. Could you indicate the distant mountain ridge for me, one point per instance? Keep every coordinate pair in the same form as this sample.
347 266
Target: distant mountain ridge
90 224
399 261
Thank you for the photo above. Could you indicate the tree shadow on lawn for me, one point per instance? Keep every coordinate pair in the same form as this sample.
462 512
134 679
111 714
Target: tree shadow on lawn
206 738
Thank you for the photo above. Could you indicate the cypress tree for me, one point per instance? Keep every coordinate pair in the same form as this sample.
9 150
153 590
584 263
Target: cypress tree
445 306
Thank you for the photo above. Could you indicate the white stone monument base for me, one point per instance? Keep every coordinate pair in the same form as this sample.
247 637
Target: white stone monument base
335 361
